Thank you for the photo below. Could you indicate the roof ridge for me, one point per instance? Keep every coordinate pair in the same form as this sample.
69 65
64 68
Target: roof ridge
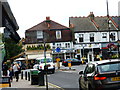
95 24
113 22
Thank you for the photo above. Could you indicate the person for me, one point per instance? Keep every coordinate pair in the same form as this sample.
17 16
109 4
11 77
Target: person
16 68
11 73
5 69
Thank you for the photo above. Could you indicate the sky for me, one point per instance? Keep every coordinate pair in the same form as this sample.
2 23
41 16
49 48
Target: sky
28 13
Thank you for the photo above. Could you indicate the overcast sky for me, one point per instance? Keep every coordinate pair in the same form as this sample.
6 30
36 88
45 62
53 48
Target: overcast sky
31 12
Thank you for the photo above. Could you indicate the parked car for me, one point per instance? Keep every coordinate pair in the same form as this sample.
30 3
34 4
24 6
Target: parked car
40 64
100 75
73 61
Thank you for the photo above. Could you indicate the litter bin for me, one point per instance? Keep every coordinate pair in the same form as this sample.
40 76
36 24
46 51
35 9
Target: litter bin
37 77
41 78
34 77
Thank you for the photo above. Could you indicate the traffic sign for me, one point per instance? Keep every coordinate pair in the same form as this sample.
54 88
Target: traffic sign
58 49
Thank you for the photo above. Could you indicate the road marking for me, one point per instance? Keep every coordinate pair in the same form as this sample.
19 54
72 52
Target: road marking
53 85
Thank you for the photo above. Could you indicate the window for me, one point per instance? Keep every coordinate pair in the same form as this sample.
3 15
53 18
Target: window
104 36
92 37
109 67
59 45
80 37
39 34
89 69
112 37
58 34
67 45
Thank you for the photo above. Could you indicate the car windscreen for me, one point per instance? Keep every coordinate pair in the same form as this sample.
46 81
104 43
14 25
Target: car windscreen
47 60
109 67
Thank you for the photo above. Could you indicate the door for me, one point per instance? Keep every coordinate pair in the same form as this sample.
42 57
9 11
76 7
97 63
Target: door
88 75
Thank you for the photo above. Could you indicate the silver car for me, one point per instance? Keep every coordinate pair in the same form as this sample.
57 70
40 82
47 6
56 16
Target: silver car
100 75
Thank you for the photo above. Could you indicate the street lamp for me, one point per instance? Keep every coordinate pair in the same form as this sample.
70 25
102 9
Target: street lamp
44 42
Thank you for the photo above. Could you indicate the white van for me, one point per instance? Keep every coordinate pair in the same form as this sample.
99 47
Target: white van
40 63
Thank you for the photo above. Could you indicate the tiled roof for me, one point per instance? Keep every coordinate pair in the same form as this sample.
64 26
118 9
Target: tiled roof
82 24
116 20
103 23
43 26
92 23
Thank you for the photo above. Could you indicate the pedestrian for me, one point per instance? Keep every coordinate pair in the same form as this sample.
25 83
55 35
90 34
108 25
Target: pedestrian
16 68
11 73
5 69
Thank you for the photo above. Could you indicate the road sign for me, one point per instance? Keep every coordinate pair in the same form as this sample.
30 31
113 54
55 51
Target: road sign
58 49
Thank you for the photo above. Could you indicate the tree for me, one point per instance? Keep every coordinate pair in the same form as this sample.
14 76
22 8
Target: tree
12 49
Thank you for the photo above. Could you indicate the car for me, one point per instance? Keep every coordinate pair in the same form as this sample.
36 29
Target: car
100 75
72 60
40 65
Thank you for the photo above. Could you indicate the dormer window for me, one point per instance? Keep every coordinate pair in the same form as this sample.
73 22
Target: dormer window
58 34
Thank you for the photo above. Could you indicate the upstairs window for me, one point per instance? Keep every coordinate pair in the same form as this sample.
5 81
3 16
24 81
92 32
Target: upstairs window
104 36
112 37
59 45
67 45
91 37
39 34
80 37
58 34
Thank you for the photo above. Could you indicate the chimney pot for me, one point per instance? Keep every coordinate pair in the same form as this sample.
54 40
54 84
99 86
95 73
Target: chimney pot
47 18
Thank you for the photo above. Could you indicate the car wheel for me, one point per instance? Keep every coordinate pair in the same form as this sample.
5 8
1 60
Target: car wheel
80 88
90 88
53 71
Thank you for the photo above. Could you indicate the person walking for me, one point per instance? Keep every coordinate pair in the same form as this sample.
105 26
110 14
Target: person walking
16 68
5 69
11 73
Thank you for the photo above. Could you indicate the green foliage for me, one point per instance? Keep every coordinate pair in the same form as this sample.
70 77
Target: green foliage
39 47
12 49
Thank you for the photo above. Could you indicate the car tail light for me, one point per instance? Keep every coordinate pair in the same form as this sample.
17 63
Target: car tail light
96 77
40 67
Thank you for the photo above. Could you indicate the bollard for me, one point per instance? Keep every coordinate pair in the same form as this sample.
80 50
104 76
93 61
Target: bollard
22 75
26 75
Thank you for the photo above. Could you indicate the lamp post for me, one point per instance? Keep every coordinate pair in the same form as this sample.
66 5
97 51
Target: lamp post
44 42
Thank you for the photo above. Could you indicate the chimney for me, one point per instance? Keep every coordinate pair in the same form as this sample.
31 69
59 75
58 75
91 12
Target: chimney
47 18
91 16
48 22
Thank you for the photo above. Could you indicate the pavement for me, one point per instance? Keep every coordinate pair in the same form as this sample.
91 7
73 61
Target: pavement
22 83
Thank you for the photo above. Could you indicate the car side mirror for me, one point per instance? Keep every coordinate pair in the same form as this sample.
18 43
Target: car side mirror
81 72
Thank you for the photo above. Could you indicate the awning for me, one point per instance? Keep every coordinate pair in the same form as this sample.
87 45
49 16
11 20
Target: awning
20 59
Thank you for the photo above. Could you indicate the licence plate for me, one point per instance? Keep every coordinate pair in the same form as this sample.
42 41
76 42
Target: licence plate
116 79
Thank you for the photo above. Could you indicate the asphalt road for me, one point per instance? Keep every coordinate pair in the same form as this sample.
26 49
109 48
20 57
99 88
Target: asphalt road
66 79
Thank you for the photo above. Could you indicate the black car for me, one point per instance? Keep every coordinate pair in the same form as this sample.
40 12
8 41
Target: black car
100 75
72 60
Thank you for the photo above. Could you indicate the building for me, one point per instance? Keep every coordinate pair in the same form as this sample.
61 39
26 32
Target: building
8 27
95 36
53 35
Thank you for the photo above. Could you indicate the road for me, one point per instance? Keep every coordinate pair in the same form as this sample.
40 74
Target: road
66 79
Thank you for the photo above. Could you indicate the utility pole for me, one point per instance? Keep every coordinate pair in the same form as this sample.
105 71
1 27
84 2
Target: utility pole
108 26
